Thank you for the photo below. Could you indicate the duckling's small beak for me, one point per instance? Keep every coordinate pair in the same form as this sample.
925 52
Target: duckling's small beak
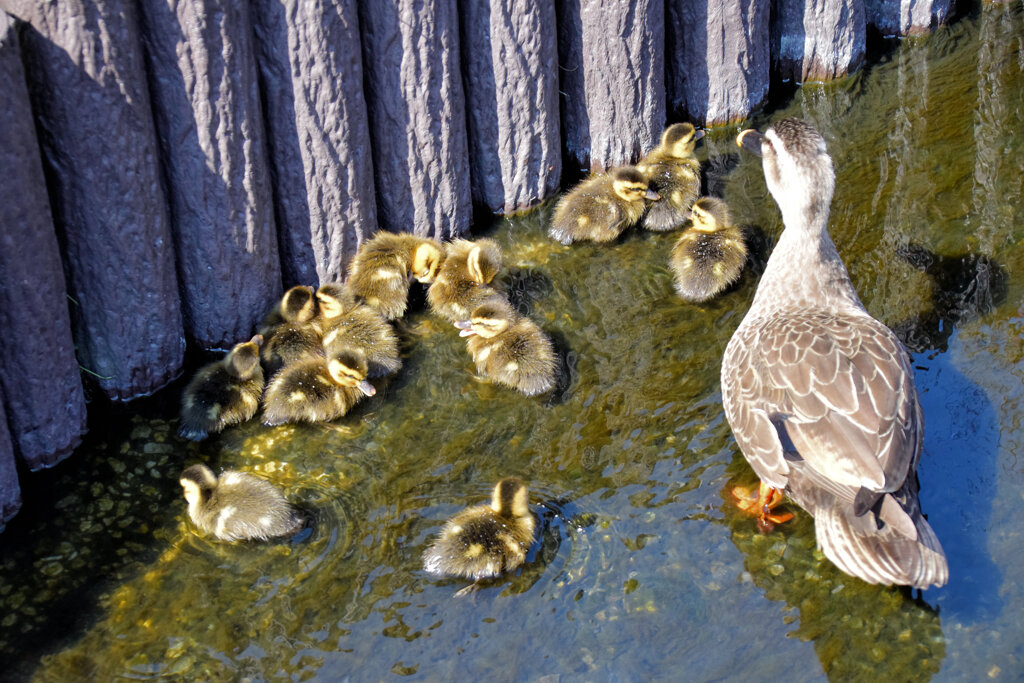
750 140
652 195
465 328
367 388
698 135
257 340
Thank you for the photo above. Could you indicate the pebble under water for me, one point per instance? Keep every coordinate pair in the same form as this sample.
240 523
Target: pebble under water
644 569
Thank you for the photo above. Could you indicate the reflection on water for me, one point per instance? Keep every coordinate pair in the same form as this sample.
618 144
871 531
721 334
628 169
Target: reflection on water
642 570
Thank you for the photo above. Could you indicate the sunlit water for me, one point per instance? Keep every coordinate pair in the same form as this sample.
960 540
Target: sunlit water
643 569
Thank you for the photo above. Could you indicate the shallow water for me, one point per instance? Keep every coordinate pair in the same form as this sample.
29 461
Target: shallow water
643 570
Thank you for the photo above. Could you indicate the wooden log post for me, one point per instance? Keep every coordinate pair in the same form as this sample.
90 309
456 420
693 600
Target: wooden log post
718 64
906 17
83 65
311 68
417 116
38 369
207 110
10 491
816 40
612 79
510 69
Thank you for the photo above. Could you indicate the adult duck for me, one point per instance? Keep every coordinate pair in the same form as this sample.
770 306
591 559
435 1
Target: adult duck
820 396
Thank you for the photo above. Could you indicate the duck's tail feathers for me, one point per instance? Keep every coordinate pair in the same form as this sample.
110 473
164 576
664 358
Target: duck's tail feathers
881 555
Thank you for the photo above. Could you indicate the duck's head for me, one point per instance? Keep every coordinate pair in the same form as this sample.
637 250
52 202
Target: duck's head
244 358
348 368
426 261
334 299
298 304
487 320
631 185
483 260
679 139
710 215
198 481
797 167
511 498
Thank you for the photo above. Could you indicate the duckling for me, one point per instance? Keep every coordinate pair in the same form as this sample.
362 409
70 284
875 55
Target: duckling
296 337
237 506
223 393
379 272
463 282
346 323
710 255
508 348
317 389
601 207
484 541
673 172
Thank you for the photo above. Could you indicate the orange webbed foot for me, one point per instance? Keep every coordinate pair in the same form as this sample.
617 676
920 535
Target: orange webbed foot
762 505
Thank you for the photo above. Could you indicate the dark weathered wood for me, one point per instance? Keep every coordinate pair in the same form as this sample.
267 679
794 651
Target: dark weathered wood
417 116
816 40
311 68
83 64
718 65
38 369
612 79
510 68
906 17
10 491
207 110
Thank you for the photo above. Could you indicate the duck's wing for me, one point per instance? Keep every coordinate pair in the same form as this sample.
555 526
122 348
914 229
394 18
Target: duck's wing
835 391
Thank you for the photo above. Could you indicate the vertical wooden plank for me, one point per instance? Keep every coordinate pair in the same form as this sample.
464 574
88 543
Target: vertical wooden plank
311 68
612 80
207 110
45 404
718 60
906 17
816 40
417 116
510 68
83 65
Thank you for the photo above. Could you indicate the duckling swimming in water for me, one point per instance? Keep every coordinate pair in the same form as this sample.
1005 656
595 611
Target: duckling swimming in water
602 206
710 255
463 282
379 272
223 393
345 323
673 172
317 389
484 541
237 506
296 337
508 348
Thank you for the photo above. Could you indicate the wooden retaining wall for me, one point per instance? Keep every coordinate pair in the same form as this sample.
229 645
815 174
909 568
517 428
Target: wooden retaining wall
171 165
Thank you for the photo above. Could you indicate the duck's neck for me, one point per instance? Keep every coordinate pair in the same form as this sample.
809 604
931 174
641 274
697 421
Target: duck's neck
805 266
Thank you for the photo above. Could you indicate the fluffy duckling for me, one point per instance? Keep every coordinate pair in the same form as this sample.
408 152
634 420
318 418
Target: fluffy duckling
463 282
296 337
223 393
345 323
601 207
484 541
710 255
317 389
237 506
379 272
508 348
673 172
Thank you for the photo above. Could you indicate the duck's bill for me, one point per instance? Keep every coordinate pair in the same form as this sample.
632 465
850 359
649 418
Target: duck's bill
652 195
465 327
750 140
367 388
698 135
467 332
257 340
